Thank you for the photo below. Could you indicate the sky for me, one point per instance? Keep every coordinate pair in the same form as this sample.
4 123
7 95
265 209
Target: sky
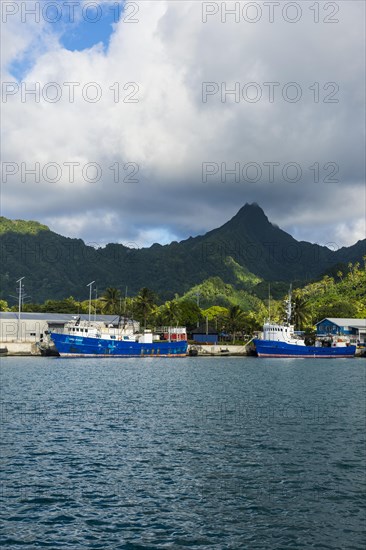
152 121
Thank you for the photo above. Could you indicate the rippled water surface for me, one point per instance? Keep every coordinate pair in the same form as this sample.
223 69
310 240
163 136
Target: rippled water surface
230 453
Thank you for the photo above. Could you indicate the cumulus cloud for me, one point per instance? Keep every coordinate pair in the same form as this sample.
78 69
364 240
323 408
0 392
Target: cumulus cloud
159 132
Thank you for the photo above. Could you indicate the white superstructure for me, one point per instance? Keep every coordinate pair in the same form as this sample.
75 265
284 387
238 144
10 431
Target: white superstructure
281 333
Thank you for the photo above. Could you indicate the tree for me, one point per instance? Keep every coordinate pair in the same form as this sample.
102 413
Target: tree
300 310
111 300
190 313
217 314
235 320
144 303
4 305
68 305
179 312
339 308
253 321
170 313
128 307
32 308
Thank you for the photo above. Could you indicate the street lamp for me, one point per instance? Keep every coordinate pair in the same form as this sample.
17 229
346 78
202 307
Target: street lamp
90 285
20 304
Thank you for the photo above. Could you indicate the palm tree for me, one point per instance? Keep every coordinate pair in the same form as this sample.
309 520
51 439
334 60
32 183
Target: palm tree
252 322
172 312
145 302
111 300
301 315
235 320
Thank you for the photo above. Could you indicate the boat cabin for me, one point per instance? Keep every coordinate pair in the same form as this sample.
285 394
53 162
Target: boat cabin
280 333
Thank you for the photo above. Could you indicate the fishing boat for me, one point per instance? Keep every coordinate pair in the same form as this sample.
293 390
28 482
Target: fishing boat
87 339
281 341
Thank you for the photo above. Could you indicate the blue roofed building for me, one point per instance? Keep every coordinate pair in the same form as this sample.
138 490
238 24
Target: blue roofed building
354 329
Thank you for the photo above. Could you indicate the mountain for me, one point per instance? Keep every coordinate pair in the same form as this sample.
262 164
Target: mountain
244 251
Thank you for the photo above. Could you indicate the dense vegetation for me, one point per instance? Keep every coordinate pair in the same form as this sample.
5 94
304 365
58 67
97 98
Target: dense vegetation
245 253
228 309
21 226
219 280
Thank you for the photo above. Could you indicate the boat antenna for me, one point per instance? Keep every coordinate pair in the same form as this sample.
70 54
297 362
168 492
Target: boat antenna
269 302
289 305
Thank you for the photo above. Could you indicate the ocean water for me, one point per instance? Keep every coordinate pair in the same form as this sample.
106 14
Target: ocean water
198 453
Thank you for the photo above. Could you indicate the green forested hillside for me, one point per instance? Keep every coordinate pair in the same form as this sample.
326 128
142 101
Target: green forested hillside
214 291
246 252
228 308
21 226
341 296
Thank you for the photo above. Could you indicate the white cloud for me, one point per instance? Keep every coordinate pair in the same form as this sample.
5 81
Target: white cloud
348 233
170 132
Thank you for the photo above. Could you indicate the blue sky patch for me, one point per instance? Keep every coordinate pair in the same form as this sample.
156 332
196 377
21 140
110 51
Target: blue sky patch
91 26
20 67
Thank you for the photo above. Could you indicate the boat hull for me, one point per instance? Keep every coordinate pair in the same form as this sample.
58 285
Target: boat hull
73 346
270 348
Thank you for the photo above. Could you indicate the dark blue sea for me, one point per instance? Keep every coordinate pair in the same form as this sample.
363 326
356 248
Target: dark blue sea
197 453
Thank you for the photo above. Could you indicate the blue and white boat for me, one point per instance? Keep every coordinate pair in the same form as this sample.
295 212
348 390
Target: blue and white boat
84 339
281 341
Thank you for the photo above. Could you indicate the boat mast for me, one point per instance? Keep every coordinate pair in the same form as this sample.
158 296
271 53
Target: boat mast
90 285
289 305
125 309
269 302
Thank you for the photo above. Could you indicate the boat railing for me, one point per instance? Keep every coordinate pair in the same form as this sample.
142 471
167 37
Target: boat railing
171 330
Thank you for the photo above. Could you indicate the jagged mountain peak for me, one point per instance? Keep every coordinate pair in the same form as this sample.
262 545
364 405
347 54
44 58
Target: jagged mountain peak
248 245
249 215
251 208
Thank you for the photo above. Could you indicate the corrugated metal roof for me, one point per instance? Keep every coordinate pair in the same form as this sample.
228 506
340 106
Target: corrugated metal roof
345 322
27 316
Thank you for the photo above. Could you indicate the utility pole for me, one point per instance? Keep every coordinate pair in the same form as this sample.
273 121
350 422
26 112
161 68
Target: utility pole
90 285
198 305
95 305
19 306
125 306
